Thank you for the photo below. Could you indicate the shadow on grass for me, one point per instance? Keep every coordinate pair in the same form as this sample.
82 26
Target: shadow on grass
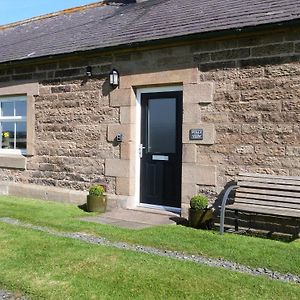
83 207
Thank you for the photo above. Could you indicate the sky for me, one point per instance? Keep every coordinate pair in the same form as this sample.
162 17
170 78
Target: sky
16 10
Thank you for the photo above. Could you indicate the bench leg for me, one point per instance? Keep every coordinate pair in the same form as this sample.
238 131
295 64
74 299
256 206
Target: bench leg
236 220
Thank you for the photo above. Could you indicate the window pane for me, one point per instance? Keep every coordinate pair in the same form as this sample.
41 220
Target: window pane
21 135
162 126
8 135
7 109
21 108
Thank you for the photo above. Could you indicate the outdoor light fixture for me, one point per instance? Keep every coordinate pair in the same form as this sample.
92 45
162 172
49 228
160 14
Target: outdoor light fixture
114 78
88 71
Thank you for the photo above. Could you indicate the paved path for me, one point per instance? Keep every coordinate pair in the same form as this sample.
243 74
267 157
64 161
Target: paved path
134 219
221 263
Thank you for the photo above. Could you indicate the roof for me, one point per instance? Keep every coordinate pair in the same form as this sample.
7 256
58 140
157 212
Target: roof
108 25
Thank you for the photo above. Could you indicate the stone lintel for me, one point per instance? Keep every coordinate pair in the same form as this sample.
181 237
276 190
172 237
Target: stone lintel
162 77
15 88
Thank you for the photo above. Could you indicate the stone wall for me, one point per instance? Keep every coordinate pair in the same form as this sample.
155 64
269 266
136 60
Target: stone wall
72 113
243 91
256 109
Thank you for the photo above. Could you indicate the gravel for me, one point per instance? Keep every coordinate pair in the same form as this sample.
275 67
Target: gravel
11 296
212 262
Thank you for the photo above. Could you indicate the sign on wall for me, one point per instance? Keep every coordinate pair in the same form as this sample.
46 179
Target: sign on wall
196 134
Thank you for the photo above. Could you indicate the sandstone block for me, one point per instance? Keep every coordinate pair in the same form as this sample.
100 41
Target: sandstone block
188 190
198 93
209 133
189 153
212 117
122 97
30 89
127 150
118 168
127 114
184 210
191 113
293 151
125 186
12 161
125 129
198 174
245 149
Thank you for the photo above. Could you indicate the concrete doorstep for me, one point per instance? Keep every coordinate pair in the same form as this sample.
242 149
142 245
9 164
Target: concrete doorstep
134 218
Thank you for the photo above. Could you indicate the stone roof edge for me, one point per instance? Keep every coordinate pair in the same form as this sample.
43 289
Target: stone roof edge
248 31
54 14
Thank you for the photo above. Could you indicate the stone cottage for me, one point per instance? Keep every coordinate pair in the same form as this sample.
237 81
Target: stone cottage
205 89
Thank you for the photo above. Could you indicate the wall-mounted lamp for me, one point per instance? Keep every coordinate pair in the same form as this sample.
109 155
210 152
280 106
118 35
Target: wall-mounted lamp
88 71
114 78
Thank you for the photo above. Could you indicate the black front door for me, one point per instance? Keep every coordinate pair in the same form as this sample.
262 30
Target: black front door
161 148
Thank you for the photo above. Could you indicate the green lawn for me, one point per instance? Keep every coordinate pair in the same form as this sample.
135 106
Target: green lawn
49 267
255 252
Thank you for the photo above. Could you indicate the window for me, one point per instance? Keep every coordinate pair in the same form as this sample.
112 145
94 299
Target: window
13 124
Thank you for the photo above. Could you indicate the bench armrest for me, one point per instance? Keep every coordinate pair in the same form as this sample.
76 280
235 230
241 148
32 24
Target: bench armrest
224 201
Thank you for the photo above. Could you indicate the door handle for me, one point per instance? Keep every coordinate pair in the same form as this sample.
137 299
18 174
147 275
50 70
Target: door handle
141 148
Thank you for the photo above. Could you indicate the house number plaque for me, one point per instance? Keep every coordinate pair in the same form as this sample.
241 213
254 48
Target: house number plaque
196 134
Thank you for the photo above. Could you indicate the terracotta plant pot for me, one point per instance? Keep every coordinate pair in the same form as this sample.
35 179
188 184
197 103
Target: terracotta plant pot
200 218
96 203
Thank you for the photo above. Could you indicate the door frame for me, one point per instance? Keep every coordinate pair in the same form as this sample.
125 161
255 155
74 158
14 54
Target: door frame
139 92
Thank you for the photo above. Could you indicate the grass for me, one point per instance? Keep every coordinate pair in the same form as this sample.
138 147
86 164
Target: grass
48 267
255 252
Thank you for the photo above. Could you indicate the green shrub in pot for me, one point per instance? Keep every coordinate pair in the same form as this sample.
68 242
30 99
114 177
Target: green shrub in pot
199 202
200 216
96 200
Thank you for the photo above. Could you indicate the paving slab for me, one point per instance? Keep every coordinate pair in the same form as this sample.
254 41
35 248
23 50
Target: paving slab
134 219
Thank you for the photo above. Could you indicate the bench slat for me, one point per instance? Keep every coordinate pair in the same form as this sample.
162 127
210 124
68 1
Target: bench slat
268 203
269 186
265 210
269 176
269 180
271 198
268 192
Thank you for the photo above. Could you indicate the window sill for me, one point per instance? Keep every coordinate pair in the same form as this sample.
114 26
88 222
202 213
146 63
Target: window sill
12 161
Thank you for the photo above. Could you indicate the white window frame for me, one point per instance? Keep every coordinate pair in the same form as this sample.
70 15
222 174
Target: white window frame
14 119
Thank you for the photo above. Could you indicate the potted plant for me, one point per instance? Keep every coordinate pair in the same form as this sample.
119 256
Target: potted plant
5 140
96 200
200 216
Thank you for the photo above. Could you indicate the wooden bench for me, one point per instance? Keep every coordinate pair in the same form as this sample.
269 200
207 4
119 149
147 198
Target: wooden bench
263 194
